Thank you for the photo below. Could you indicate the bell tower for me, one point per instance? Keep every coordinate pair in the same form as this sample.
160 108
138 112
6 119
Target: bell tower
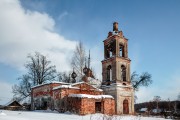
116 71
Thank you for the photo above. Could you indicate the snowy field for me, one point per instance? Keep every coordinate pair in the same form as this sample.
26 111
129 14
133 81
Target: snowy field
42 115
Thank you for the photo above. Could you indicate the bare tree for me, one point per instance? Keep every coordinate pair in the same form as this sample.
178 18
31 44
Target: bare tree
157 99
169 104
22 90
143 80
78 59
39 71
64 77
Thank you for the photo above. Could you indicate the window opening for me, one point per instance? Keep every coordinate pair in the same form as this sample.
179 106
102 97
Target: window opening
109 73
123 72
121 51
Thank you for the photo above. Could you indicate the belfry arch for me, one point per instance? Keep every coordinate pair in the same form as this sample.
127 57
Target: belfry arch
121 50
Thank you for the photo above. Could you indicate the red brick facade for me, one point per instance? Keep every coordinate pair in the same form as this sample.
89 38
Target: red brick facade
44 90
56 96
84 106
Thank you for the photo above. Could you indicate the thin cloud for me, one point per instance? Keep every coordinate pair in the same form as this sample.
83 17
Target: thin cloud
61 16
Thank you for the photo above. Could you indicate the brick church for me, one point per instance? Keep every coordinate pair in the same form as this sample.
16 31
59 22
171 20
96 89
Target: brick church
114 96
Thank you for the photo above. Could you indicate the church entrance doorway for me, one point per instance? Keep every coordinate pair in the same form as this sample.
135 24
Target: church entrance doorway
125 107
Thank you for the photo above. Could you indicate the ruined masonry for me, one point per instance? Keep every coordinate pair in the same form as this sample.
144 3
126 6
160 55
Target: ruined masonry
115 95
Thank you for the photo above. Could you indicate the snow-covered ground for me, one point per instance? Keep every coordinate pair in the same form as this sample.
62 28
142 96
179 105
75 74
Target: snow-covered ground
45 115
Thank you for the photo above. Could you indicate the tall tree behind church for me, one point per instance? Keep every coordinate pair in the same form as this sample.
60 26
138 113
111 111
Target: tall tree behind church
78 59
39 71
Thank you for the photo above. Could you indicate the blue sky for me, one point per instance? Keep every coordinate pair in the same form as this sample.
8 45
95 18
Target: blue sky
152 28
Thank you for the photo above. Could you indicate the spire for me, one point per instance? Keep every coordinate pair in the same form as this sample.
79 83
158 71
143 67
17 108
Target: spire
89 60
85 61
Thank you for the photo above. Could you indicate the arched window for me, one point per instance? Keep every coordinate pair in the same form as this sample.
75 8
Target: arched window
121 50
109 73
123 73
111 51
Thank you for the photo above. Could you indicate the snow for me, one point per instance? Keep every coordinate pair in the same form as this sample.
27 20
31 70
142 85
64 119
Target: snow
156 110
49 83
90 96
2 113
78 83
43 115
143 109
94 82
117 84
97 89
65 86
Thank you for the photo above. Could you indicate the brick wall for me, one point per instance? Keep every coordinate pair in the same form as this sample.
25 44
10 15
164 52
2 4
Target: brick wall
67 91
44 90
82 106
45 93
74 105
108 106
84 89
87 106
